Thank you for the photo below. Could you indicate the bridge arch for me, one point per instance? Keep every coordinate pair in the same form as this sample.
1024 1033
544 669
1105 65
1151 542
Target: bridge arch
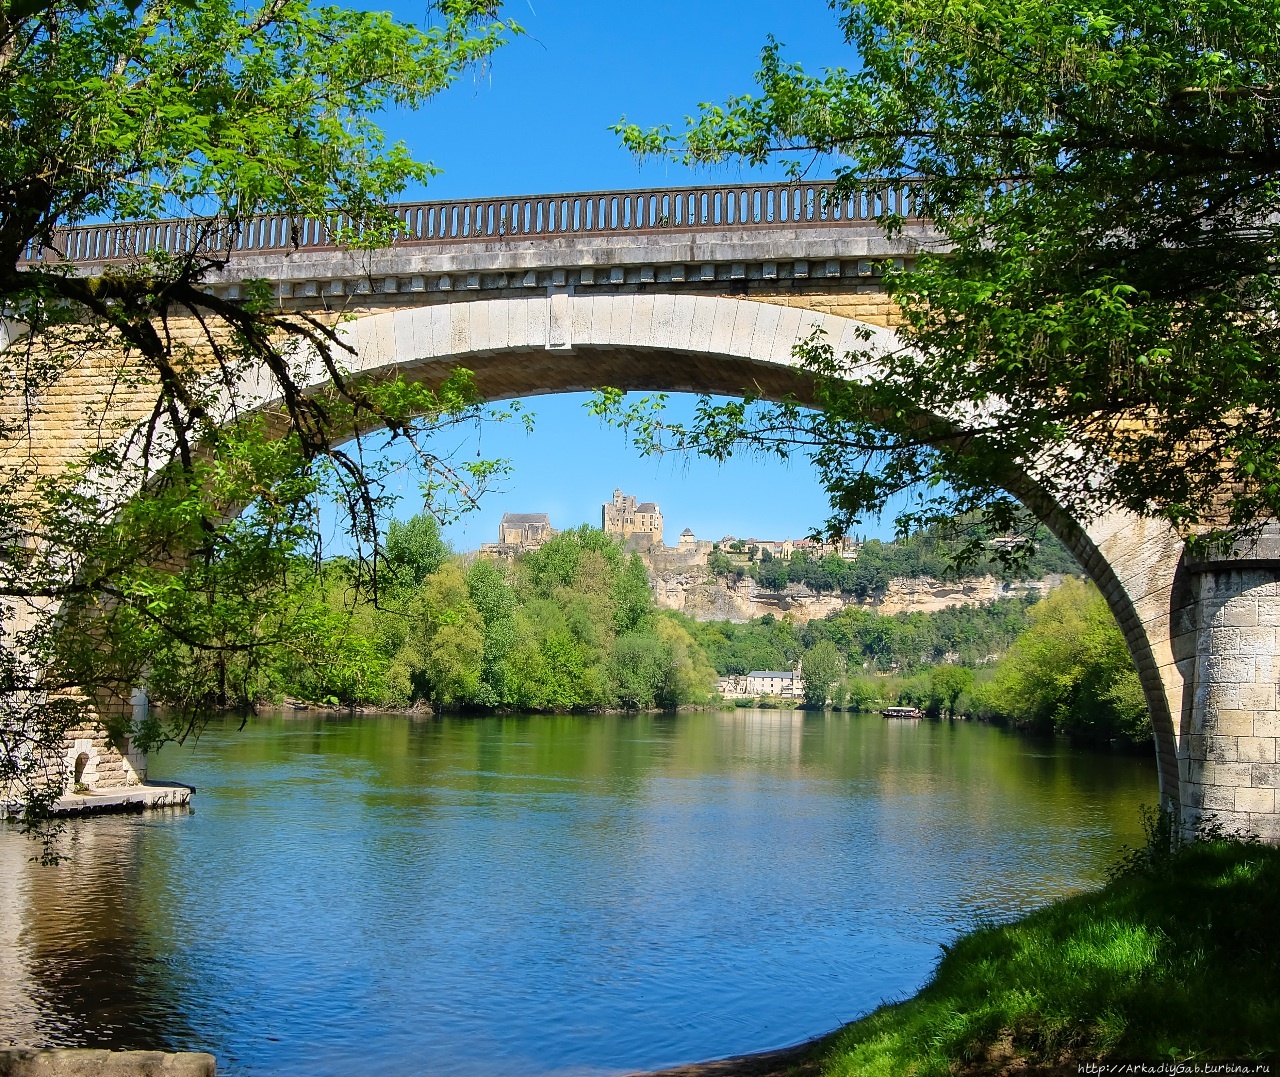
703 290
567 343
527 346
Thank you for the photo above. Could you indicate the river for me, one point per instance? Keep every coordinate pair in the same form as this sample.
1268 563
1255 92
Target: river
526 896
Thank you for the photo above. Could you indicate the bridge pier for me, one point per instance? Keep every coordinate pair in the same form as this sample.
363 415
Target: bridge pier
1230 770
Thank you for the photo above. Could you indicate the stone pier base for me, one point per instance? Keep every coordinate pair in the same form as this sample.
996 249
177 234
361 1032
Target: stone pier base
1232 773
90 1062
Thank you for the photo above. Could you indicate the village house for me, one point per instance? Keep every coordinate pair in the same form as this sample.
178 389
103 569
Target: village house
845 547
761 682
772 682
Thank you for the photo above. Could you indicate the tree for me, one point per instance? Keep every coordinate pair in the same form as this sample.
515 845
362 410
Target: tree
496 601
819 671
718 564
947 683
773 574
442 655
690 677
1070 671
136 565
632 596
641 666
415 549
1100 308
859 694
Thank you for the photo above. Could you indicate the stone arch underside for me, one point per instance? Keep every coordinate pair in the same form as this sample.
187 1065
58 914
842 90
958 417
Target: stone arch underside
564 343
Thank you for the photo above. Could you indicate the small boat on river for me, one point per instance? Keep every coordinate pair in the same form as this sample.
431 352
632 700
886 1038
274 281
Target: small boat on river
902 712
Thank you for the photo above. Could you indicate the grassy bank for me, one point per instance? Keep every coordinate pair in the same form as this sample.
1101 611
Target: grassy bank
1176 959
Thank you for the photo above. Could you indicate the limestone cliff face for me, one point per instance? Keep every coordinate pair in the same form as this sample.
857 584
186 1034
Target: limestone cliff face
691 592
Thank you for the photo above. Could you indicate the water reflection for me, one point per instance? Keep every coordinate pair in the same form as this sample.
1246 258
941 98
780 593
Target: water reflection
79 964
541 895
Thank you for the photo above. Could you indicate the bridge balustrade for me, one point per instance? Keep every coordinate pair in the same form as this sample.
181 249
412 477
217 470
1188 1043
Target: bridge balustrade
682 209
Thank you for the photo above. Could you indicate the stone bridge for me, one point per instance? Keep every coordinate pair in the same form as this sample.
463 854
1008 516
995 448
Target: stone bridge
708 290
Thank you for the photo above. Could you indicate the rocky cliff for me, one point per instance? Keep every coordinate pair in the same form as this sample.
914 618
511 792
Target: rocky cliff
692 592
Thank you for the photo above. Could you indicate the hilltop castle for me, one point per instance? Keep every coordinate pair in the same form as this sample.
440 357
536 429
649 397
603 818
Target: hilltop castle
637 524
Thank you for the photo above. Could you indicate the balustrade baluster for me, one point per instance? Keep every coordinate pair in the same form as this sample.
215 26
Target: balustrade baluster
691 209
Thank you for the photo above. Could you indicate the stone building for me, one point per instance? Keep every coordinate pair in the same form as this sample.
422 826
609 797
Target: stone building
519 532
775 682
784 684
639 524
845 547
529 529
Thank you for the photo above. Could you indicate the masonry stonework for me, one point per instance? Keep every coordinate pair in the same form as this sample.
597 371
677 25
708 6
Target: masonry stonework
1232 767
93 762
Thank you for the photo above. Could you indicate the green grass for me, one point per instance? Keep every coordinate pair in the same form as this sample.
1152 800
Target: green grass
1176 959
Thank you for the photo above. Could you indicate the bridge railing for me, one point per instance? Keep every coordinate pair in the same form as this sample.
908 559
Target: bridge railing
601 213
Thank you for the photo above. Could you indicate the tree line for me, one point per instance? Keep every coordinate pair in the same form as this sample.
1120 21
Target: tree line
568 627
1066 670
572 627
1057 664
867 640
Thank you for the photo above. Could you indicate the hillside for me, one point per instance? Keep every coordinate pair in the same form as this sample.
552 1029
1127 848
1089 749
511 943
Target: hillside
703 597
915 575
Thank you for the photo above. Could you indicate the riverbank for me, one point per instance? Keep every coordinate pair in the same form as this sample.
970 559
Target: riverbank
1177 959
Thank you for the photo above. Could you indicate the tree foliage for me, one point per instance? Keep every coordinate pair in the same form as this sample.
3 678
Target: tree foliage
946 685
414 549
1070 672
1098 311
866 639
931 552
179 552
572 627
820 672
567 627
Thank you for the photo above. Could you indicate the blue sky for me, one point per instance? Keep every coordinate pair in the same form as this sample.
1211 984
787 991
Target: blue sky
536 120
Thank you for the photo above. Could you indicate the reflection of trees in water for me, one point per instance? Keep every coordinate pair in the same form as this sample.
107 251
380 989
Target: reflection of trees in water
19 1012
81 954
